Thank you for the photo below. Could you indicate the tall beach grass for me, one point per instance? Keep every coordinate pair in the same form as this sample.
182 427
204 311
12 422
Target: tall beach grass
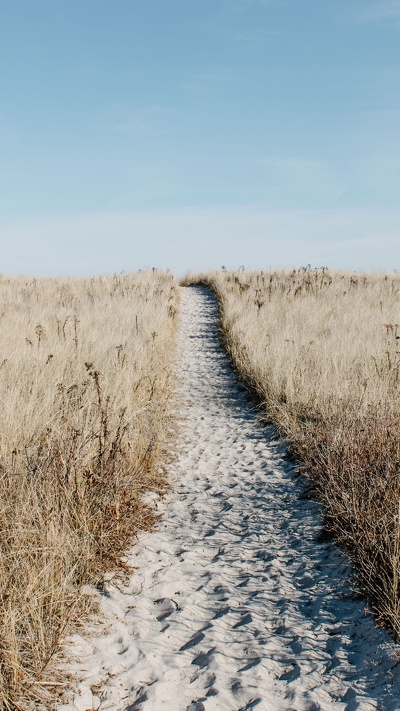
85 385
322 350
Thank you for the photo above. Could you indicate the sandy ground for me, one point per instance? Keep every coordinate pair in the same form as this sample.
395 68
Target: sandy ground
235 603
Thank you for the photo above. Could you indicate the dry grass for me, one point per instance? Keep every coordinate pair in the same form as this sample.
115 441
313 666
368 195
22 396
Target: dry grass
323 351
85 381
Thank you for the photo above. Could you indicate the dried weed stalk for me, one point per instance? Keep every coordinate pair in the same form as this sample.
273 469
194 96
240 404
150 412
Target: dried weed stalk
322 349
85 382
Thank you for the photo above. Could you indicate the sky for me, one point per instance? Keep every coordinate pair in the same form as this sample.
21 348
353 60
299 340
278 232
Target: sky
191 134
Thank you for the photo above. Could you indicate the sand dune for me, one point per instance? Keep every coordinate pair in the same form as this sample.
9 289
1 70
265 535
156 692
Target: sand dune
235 602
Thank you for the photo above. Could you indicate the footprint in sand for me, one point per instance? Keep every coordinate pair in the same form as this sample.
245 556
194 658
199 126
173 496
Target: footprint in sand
241 605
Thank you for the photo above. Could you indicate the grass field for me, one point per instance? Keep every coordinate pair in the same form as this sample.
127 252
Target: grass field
322 350
85 384
86 378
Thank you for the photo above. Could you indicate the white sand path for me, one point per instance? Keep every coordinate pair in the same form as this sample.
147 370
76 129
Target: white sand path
235 604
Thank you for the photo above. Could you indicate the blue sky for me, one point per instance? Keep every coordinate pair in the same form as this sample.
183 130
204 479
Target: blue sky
195 133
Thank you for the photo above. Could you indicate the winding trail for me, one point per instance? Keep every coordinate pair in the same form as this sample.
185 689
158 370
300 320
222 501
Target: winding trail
235 603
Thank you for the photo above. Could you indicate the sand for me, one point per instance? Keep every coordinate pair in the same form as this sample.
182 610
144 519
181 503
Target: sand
236 601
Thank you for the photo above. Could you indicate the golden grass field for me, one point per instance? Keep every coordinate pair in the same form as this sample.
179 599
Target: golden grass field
86 379
85 384
322 350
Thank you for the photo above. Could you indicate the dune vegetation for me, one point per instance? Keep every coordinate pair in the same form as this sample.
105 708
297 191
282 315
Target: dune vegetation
85 386
322 350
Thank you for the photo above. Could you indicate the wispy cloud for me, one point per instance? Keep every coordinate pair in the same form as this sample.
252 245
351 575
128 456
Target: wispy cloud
209 82
142 122
197 239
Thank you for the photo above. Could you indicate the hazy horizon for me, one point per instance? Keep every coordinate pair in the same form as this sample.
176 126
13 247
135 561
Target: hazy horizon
187 135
